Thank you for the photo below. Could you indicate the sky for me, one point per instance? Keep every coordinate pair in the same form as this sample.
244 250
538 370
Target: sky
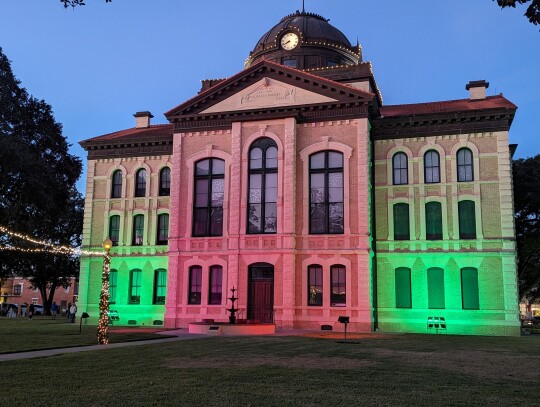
99 64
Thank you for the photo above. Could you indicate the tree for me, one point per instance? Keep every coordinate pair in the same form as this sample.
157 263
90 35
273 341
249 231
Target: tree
526 174
532 12
38 196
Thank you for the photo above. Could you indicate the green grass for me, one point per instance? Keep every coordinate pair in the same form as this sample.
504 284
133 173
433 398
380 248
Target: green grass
416 370
22 334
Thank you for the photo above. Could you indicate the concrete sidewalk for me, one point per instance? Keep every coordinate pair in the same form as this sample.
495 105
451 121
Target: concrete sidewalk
180 336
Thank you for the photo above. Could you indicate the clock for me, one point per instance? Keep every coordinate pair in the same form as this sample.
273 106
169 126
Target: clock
289 41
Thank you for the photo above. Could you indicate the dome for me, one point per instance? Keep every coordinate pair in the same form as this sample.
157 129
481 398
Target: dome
305 41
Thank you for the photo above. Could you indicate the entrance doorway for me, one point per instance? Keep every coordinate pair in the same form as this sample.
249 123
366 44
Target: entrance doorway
261 293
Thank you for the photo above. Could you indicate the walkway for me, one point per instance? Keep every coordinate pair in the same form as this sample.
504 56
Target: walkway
180 336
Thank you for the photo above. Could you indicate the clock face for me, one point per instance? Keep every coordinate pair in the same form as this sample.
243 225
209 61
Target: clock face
289 41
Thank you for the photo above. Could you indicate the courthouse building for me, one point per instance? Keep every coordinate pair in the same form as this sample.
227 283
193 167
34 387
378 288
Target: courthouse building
294 183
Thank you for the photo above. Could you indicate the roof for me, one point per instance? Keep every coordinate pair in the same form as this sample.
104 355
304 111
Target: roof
134 134
449 106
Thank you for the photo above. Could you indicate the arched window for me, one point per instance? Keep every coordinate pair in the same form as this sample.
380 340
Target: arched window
165 181
433 221
467 220
338 289
326 192
162 236
401 222
113 284
209 193
160 286
140 183
138 230
263 187
465 165
432 171
315 285
114 229
116 189
400 169
195 285
216 282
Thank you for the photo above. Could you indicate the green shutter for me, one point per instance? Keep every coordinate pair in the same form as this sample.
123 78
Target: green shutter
403 288
112 286
401 221
467 220
435 277
433 221
469 288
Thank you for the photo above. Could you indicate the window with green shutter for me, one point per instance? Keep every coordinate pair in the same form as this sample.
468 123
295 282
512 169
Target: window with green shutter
469 288
113 278
135 286
435 280
403 287
467 220
401 221
433 221
160 286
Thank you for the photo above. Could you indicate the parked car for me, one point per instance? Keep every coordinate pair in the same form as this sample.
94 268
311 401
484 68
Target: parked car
5 307
39 309
532 322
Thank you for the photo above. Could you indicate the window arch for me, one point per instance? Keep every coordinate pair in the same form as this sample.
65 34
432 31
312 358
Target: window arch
216 285
403 287
435 280
162 235
160 286
432 170
326 192
315 285
140 183
400 169
138 230
116 188
114 229
165 181
263 187
469 288
209 194
135 280
465 170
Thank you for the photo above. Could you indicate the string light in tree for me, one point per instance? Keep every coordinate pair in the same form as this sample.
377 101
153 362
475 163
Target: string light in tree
103 324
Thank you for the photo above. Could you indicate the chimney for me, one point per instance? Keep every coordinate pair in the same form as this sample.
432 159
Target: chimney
142 119
477 89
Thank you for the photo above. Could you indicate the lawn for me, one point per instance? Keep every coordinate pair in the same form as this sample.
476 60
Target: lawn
22 334
417 370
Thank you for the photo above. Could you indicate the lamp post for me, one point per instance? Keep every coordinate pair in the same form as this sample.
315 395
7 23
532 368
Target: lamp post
103 324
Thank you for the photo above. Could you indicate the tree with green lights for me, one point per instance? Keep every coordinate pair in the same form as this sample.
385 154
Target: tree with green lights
38 196
526 173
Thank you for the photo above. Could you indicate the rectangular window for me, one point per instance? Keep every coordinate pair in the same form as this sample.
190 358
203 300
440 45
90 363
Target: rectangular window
338 297
112 286
195 285
160 286
403 288
469 288
17 289
401 221
290 62
163 229
114 229
435 280
467 220
138 230
135 287
315 285
433 221
216 275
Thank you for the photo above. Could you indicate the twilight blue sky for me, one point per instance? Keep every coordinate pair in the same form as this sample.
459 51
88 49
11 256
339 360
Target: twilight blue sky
98 64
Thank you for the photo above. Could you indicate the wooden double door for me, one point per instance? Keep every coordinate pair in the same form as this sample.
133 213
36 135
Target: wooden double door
261 293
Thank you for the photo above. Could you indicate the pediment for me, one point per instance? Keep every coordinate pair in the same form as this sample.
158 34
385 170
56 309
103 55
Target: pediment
268 93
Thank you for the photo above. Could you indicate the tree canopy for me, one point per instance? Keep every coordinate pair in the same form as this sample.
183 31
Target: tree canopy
532 12
526 173
38 196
